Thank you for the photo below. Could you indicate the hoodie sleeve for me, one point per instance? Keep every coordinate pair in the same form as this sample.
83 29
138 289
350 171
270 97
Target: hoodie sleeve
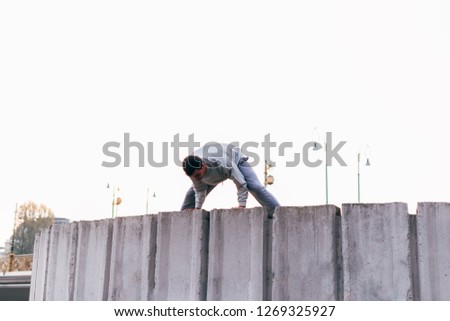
241 184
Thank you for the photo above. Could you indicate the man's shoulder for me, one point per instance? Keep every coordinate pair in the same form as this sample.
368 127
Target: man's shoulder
216 150
211 150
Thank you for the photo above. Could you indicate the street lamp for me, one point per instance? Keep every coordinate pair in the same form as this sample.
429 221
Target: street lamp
365 151
116 201
18 217
268 179
318 146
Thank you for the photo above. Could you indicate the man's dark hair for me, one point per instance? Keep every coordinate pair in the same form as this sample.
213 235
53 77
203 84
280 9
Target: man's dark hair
191 163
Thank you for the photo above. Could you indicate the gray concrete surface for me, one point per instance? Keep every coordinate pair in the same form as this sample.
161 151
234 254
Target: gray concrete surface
433 234
132 272
182 255
376 252
306 254
237 254
61 262
39 268
93 260
371 252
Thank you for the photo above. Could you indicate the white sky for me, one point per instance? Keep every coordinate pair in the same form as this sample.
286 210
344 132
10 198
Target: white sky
75 75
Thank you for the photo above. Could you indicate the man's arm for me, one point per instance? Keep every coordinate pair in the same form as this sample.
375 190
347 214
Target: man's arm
200 193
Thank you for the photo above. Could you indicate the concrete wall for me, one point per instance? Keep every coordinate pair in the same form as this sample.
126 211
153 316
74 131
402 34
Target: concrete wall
371 252
132 271
306 254
236 269
433 234
39 269
93 260
61 264
376 252
182 255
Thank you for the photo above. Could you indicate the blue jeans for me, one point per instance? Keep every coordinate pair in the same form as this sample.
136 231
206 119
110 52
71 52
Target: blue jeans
261 194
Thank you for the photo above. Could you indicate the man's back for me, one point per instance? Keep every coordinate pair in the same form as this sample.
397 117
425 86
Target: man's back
225 154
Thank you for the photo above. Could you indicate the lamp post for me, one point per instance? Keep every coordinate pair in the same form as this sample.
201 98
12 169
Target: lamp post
11 254
268 179
116 201
365 150
318 146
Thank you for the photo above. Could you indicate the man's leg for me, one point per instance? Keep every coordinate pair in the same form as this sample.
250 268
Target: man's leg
262 195
189 199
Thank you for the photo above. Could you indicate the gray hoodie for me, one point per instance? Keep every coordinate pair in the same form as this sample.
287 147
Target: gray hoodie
222 162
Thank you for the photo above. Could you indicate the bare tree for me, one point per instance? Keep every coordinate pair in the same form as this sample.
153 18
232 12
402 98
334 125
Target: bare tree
30 218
